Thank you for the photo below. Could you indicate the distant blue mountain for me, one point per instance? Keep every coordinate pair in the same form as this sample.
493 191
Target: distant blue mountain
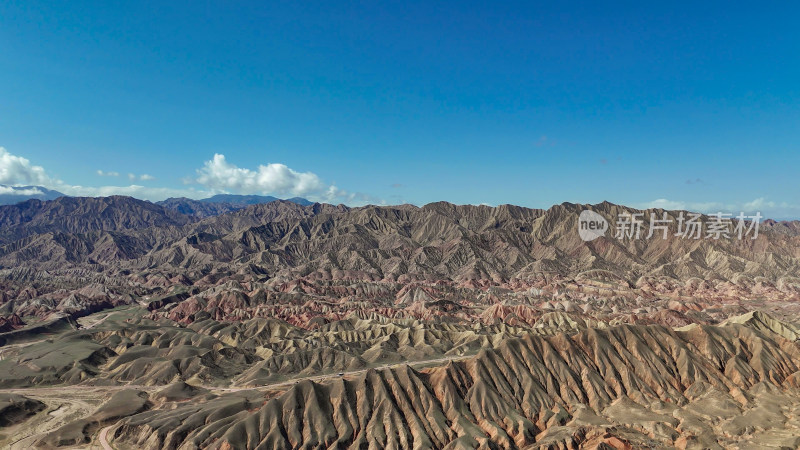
251 199
221 204
10 195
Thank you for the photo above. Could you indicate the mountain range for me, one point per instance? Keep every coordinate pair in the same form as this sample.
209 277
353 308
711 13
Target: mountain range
439 240
221 204
214 205
288 325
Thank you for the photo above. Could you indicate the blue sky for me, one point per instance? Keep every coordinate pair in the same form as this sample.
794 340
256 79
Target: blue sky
680 104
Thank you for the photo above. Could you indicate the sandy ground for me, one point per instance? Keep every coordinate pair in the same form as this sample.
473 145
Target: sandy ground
64 405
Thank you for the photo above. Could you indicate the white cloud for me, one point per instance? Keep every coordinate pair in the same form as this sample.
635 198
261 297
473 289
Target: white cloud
759 203
218 174
16 170
335 195
134 190
131 176
767 208
704 207
19 191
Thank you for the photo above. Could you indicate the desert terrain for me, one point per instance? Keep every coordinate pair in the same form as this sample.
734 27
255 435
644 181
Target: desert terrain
128 324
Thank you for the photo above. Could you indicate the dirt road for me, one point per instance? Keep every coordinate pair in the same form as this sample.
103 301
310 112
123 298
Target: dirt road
103 438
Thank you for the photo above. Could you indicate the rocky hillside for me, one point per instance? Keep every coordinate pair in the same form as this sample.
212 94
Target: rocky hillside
628 386
436 260
79 215
439 240
221 204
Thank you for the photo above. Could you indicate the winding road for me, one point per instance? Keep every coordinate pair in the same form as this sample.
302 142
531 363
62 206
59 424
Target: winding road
103 438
